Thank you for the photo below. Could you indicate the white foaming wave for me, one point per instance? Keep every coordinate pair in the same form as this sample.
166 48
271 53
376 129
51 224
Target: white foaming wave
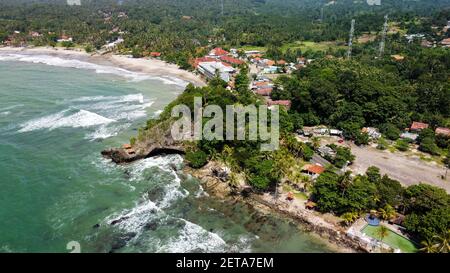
82 118
157 113
10 107
6 113
173 81
105 131
72 63
163 162
194 238
100 69
172 189
126 98
136 218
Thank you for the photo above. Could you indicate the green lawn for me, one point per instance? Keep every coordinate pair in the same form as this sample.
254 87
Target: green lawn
308 45
393 239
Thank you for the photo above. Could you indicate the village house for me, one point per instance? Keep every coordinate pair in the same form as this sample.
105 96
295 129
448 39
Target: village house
445 42
264 91
442 131
418 126
408 135
155 54
218 52
335 132
313 170
211 69
65 38
113 45
195 62
231 60
34 34
373 133
285 103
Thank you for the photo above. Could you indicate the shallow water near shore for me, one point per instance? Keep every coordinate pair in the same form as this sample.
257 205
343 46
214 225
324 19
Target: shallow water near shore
55 187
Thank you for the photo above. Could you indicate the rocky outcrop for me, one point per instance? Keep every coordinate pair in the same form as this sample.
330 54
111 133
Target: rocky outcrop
155 141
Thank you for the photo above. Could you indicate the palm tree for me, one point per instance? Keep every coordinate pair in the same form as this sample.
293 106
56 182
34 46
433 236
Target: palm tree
387 212
344 181
383 232
428 246
443 245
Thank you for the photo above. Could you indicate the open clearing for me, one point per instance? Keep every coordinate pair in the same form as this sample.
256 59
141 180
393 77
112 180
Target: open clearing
407 170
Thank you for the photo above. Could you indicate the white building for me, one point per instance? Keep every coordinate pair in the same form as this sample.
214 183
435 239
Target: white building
211 69
113 45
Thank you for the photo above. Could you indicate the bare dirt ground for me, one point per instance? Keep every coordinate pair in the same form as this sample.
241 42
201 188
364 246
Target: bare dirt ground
407 170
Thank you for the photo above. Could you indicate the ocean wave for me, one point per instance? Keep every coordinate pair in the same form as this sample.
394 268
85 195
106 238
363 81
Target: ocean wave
100 69
128 107
81 118
105 131
194 238
6 113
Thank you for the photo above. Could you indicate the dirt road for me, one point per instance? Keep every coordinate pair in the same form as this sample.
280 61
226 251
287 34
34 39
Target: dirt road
407 170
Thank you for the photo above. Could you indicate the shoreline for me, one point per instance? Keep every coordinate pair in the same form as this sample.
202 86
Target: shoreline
334 237
148 66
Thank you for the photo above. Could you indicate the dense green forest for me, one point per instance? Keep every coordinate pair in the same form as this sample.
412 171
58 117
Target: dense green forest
346 93
180 28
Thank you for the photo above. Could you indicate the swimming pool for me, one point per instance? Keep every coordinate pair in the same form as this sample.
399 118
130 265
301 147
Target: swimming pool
393 239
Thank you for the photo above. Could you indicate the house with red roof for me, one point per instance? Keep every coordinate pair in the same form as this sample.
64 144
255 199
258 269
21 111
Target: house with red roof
217 52
196 61
418 126
285 103
313 169
155 54
231 60
442 131
264 91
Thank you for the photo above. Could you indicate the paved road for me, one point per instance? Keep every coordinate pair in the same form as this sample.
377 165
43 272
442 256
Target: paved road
407 170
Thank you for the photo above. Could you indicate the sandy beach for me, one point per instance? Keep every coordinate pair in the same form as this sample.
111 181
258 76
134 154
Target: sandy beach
149 66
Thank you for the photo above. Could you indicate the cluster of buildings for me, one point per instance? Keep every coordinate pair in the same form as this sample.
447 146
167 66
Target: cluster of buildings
218 62
412 133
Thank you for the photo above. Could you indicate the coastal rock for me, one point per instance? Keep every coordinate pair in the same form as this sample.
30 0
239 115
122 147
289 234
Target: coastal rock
153 142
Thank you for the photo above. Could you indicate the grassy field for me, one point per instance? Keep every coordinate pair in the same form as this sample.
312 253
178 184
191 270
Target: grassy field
393 239
310 46
303 46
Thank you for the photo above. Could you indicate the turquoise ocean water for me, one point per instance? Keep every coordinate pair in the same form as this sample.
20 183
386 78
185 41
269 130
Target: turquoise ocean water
56 116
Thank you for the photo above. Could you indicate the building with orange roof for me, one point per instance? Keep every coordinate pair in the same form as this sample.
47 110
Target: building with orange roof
418 126
218 51
313 169
442 131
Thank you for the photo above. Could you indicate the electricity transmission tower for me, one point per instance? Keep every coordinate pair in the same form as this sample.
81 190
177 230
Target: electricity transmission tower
383 37
350 40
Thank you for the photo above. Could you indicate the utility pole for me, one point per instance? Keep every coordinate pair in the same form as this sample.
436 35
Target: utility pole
321 15
222 7
383 37
350 40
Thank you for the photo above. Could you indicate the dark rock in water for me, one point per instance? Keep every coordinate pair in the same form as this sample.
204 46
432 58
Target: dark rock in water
96 226
122 240
153 225
117 221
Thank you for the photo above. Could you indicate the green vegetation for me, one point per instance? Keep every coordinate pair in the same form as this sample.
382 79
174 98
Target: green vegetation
426 207
196 159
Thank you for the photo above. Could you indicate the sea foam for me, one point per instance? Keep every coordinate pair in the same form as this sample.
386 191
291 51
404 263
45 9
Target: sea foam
81 118
100 69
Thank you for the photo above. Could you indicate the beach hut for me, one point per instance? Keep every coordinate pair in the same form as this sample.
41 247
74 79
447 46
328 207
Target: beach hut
310 205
